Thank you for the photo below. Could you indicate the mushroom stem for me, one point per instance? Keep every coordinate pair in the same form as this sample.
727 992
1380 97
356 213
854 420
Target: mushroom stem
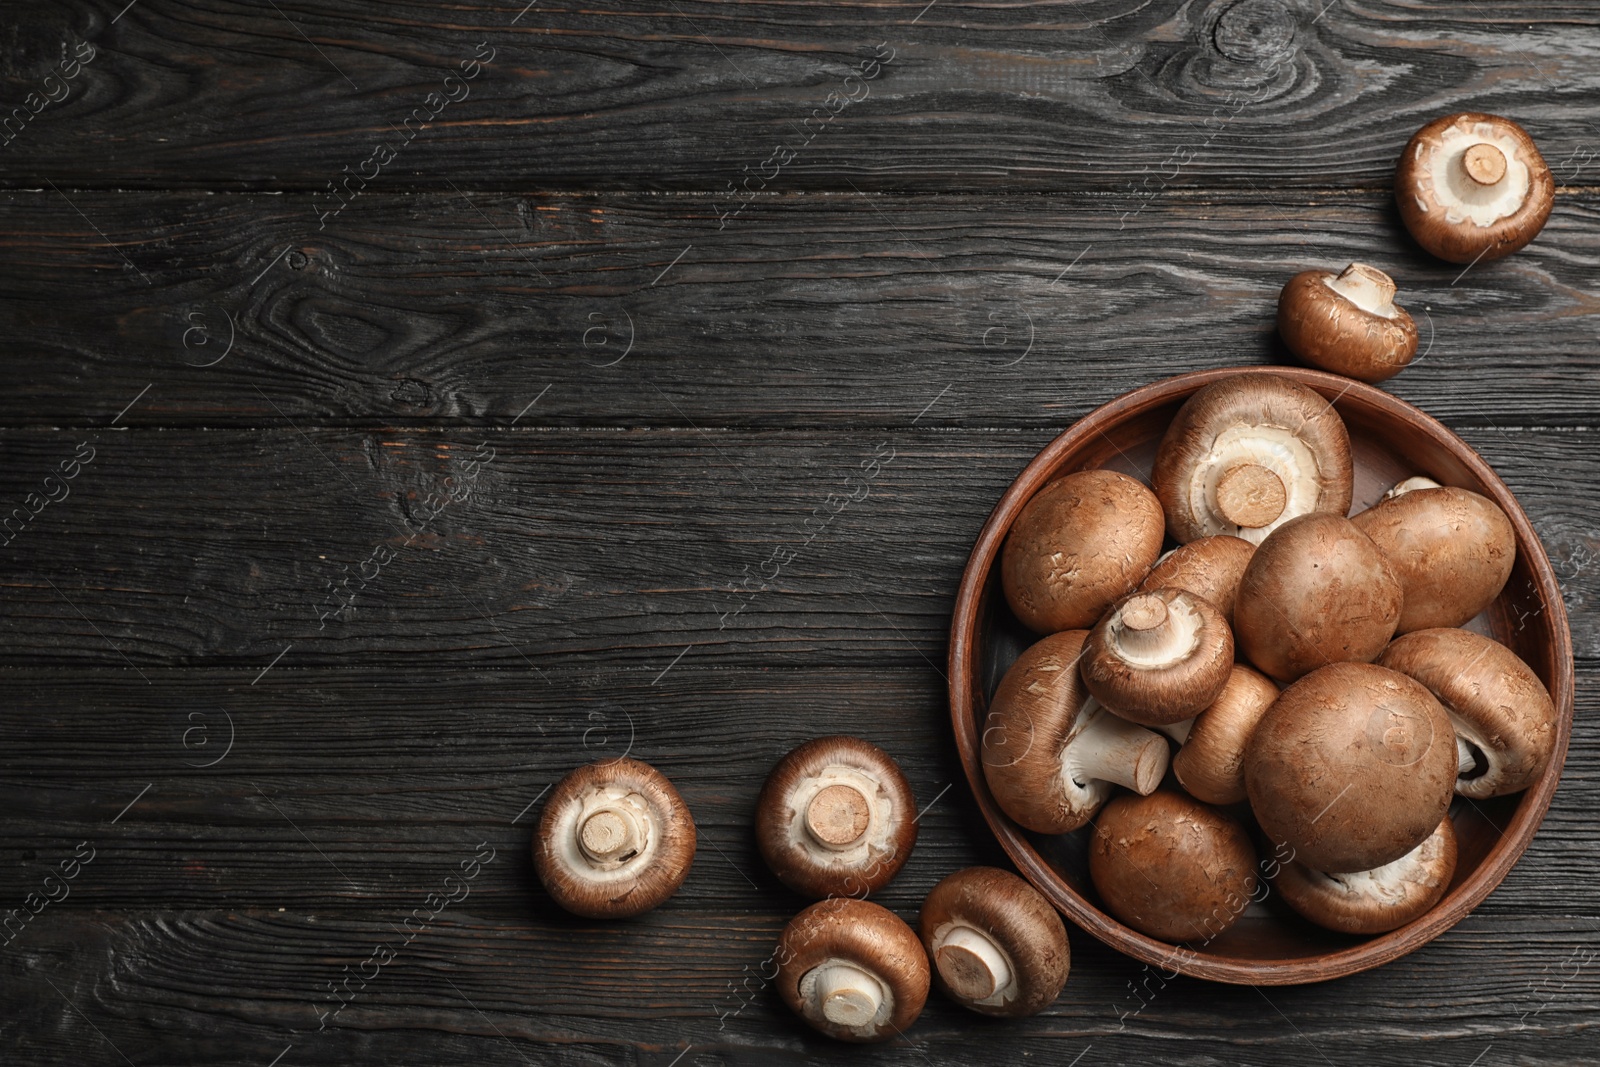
1466 758
845 994
1111 749
1368 288
1416 481
837 816
1484 164
1251 496
971 964
1178 731
612 834
1149 632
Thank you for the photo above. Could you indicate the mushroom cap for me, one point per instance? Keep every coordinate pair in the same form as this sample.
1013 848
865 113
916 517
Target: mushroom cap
1317 591
1461 219
1080 543
615 840
1260 448
1210 763
1171 867
1379 900
1499 708
1158 657
1047 742
1209 567
1347 323
1018 924
1352 767
1452 550
864 936
836 817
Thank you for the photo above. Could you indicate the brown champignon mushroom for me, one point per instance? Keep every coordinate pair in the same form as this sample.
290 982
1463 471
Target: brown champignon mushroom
1210 762
1158 657
1473 187
1248 453
1209 567
1348 324
852 969
1171 867
1051 753
1452 550
836 818
997 946
1352 767
614 841
1317 591
1376 901
1504 720
1082 541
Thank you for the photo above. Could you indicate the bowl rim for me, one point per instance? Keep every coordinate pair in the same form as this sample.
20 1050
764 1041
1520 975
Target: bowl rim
963 671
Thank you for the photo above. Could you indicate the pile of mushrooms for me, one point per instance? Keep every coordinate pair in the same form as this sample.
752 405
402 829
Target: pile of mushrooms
1300 670
1309 677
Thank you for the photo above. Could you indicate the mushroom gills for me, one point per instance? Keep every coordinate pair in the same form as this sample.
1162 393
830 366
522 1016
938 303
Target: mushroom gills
1151 633
1386 884
976 969
1470 197
1366 287
1273 450
845 994
1109 749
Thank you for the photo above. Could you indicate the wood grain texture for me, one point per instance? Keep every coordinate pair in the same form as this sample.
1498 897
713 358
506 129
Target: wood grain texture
1241 93
225 985
807 311
567 550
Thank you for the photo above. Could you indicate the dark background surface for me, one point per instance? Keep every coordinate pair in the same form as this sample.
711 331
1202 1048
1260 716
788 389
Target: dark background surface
1029 209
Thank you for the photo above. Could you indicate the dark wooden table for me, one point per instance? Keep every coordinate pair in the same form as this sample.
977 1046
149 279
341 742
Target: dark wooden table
405 403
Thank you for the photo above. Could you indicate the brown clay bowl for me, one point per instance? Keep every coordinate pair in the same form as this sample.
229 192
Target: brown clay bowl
1269 945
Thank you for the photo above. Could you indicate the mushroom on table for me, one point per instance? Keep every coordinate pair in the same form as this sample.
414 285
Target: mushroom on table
1505 722
1051 754
1473 187
1248 453
615 840
997 945
1347 323
836 817
852 969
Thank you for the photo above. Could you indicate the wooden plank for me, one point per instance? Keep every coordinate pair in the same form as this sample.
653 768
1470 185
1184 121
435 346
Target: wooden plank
1105 95
562 549
201 986
838 311
351 788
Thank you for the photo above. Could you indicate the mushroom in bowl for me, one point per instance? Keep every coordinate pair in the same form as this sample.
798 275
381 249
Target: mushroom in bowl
1158 657
1051 754
1248 453
1473 187
1347 323
1375 901
1083 541
1210 762
1209 567
1452 550
1505 723
1352 767
997 946
614 841
836 817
